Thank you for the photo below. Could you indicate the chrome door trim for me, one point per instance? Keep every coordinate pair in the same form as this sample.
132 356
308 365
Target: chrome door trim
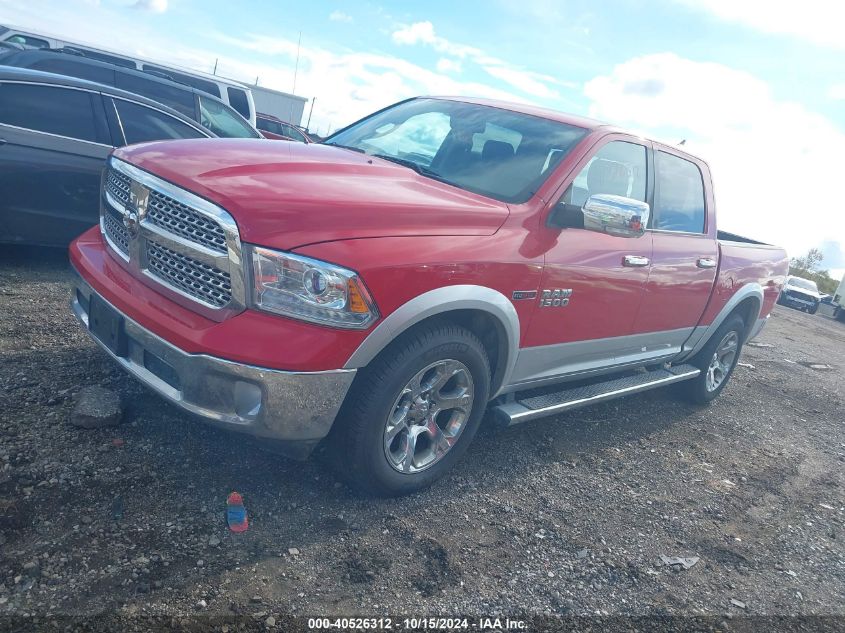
559 362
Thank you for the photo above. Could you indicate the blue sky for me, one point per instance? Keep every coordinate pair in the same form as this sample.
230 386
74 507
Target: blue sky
757 88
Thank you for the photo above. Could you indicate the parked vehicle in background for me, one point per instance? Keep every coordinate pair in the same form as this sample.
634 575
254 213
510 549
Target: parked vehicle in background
801 294
839 301
209 111
233 93
282 105
55 133
387 285
272 127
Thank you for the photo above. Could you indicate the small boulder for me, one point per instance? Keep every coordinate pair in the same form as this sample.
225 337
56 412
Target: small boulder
96 408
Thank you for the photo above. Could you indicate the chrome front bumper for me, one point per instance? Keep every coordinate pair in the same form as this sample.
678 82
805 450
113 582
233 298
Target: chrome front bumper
294 407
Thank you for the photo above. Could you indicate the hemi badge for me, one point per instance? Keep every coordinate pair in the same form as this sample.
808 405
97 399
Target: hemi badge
524 294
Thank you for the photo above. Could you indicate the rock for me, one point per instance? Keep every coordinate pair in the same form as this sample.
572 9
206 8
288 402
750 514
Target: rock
255 599
270 622
293 551
214 541
32 569
96 408
737 603
201 604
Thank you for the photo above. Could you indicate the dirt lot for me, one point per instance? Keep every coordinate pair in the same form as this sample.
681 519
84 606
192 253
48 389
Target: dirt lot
567 516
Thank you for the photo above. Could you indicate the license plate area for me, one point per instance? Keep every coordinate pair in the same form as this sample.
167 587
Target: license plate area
106 324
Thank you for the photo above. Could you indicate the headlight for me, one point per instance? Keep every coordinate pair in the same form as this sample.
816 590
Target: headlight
308 289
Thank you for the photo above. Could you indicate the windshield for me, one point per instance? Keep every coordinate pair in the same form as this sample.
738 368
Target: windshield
223 121
498 153
804 284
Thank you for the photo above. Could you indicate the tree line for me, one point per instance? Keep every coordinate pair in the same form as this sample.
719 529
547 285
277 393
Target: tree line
809 267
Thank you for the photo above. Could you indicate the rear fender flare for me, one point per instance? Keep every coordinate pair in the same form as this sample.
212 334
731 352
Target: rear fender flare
702 334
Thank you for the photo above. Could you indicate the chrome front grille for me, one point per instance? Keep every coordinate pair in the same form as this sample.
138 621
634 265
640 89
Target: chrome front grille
118 185
179 218
183 244
116 232
203 282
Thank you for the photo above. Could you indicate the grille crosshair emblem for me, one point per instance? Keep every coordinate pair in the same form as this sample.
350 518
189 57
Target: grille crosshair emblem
136 211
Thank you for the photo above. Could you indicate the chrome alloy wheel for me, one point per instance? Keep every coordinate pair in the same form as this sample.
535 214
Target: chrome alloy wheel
722 361
428 416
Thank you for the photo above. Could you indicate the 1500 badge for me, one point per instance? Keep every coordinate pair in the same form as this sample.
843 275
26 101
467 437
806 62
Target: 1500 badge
555 298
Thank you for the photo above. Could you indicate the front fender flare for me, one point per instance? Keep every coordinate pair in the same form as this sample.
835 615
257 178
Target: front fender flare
440 301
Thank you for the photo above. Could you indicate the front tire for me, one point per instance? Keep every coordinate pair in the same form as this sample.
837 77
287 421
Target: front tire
814 309
413 411
717 361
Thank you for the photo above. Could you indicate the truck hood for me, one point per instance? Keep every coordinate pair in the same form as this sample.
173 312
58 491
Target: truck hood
285 195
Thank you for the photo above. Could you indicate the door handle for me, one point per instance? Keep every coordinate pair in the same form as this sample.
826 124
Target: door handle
635 261
706 262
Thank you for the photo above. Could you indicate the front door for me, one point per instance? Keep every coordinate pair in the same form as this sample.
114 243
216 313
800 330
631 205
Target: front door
593 282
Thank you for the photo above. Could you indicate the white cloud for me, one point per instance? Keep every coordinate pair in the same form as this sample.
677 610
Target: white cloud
837 92
153 6
531 83
446 65
339 16
774 163
817 21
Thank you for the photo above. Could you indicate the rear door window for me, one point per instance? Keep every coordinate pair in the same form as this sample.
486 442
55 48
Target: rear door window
51 109
27 41
169 95
238 100
141 124
223 121
189 80
679 195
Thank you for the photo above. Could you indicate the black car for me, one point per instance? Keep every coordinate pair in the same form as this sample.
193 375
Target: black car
200 106
55 133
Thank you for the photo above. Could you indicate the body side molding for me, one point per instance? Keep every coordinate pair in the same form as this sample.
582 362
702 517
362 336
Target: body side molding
439 301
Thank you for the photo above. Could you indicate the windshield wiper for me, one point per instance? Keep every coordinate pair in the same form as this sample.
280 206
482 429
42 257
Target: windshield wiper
354 149
422 170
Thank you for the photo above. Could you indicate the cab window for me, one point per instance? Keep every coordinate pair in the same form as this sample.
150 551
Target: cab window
679 195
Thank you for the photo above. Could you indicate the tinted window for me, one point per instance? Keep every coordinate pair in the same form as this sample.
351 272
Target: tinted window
189 80
498 153
618 168
141 124
171 96
268 126
48 109
28 41
223 121
103 57
63 65
238 100
679 195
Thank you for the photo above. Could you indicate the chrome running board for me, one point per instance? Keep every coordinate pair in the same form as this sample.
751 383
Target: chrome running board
522 408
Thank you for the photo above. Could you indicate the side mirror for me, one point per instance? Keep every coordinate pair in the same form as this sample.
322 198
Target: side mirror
616 215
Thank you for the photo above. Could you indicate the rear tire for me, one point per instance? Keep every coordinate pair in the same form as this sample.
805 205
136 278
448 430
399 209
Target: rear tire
413 411
716 361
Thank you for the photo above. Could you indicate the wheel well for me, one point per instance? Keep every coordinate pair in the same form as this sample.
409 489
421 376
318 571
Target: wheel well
749 310
488 329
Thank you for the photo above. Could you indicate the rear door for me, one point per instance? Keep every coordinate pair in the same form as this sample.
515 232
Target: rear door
53 144
686 254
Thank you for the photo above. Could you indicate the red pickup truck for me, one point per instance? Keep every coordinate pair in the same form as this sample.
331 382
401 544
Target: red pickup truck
438 258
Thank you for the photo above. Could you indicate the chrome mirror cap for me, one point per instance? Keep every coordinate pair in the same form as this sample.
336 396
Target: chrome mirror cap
616 215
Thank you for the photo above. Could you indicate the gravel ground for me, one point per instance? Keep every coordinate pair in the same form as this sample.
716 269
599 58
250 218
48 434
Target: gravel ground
566 516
